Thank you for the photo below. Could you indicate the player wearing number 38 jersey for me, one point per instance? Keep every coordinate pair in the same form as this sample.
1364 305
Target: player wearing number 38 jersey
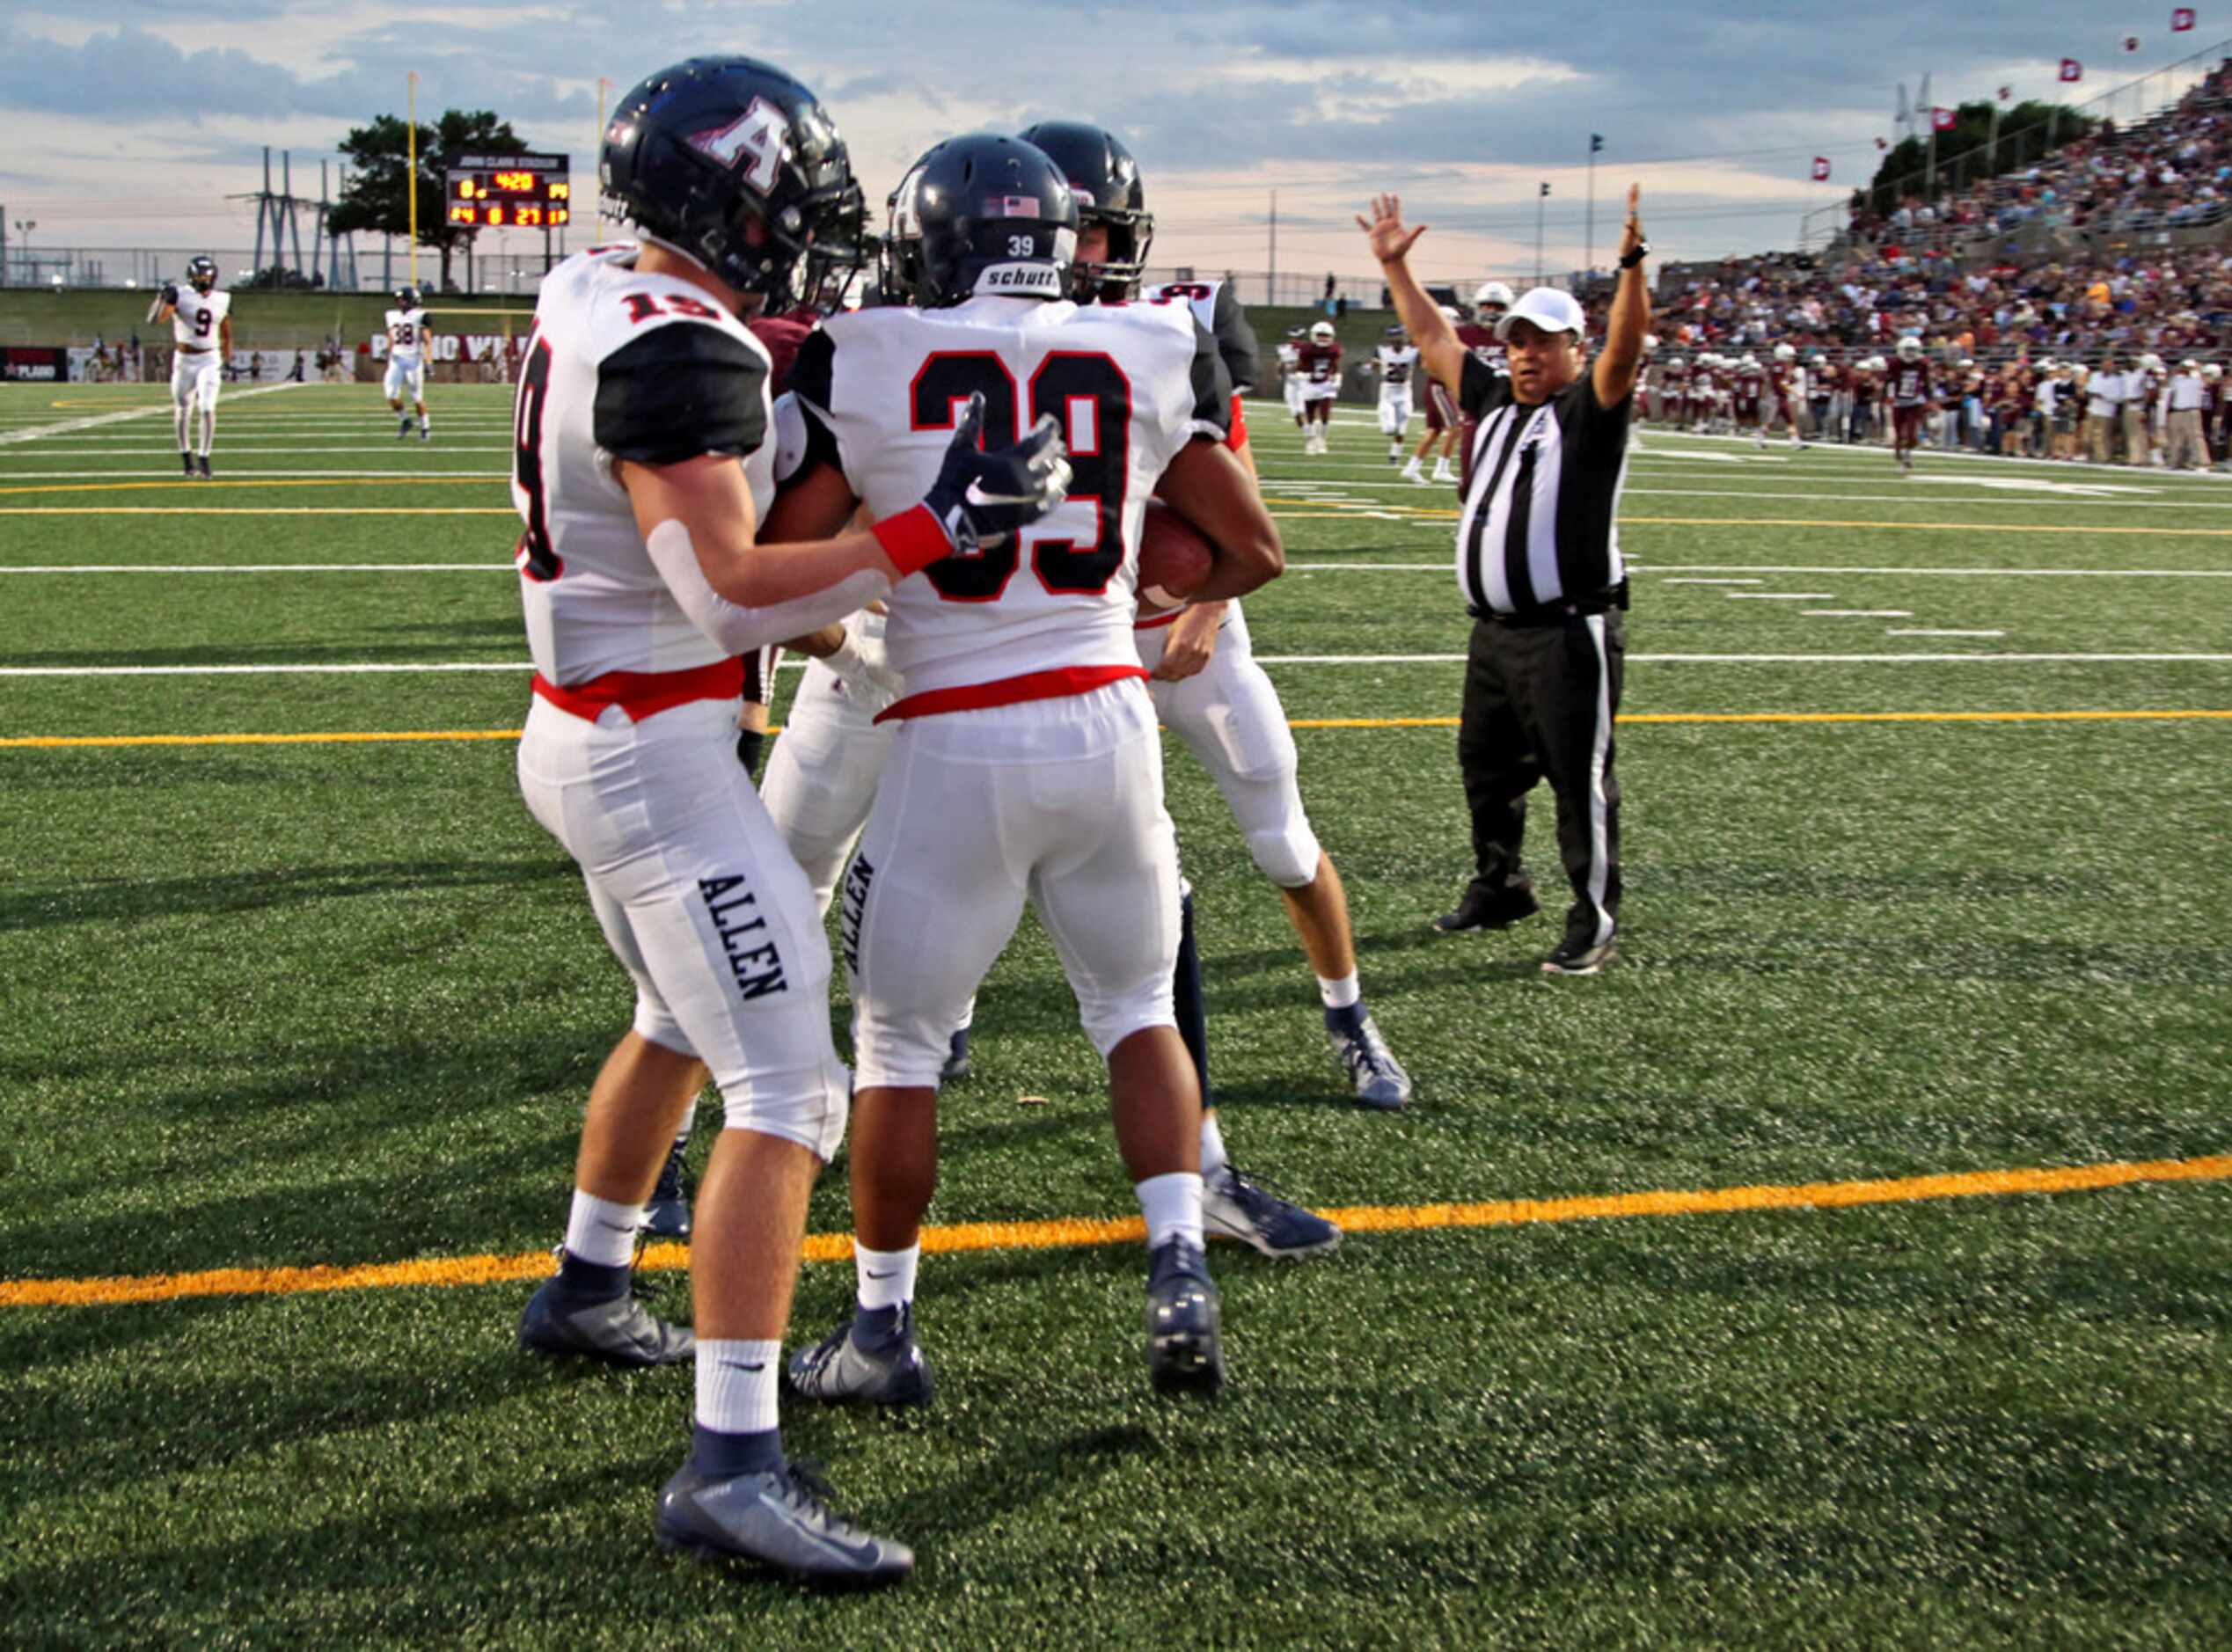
1027 764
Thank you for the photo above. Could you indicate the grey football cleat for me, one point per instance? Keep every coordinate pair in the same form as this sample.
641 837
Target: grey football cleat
781 1518
841 1371
1234 1207
1378 1078
668 1215
1185 1334
619 1330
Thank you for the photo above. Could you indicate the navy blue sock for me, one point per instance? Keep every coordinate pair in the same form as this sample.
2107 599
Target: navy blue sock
590 1279
957 1046
1190 1004
1346 1022
876 1328
719 1456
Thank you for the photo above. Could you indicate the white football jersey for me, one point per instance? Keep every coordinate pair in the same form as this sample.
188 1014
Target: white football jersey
1289 356
1130 383
406 335
199 317
1396 364
622 365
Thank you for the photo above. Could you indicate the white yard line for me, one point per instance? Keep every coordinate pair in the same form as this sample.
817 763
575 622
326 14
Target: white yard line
1289 659
1919 632
1780 596
37 433
1863 613
1693 582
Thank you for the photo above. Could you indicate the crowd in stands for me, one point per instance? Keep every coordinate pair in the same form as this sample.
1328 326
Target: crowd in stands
2069 258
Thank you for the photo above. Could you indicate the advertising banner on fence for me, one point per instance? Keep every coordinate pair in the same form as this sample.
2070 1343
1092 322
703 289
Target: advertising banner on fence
35 364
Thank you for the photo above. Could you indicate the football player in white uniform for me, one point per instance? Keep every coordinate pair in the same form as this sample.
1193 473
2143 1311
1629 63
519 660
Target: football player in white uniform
201 320
1028 764
410 344
1396 363
643 465
1290 374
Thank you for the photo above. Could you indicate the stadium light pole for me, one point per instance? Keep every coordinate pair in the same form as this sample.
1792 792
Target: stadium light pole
411 166
1541 197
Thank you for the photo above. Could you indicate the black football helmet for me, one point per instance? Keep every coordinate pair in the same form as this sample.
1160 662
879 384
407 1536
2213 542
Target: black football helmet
984 214
201 273
408 297
1109 192
732 162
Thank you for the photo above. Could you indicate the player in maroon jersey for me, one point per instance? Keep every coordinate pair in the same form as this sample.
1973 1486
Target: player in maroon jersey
1747 396
1908 387
1319 363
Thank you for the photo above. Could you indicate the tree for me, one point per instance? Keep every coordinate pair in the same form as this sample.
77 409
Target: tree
377 199
2028 132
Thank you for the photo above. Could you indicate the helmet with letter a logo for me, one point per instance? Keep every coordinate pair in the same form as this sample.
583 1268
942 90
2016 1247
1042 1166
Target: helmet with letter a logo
994 214
730 162
1110 192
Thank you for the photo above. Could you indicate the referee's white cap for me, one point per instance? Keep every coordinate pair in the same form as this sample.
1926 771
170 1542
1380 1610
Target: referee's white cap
1548 309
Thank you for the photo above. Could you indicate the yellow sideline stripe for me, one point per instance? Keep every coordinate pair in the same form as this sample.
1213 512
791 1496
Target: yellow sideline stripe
1079 1230
344 738
1934 527
388 480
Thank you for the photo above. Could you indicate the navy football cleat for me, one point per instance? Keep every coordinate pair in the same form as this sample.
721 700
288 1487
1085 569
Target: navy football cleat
1378 1078
779 1518
1234 1207
841 1369
619 1330
1185 1334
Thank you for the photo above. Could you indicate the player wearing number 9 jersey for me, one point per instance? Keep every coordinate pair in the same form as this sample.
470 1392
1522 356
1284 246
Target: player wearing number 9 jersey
642 467
1027 764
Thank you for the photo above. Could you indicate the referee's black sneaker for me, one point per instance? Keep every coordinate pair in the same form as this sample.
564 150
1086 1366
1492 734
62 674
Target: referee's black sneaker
1479 909
1580 955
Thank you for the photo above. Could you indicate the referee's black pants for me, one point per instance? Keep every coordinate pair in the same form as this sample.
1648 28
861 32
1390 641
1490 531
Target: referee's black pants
1539 701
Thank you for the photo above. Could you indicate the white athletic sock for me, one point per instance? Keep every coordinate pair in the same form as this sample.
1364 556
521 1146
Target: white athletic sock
1172 1205
737 1385
1338 995
1213 1147
689 1121
885 1277
602 1232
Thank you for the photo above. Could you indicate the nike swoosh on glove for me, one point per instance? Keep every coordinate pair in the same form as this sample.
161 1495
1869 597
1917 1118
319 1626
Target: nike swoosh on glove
981 498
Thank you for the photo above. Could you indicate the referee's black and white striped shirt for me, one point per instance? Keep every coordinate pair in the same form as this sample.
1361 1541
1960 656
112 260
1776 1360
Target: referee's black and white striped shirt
1538 525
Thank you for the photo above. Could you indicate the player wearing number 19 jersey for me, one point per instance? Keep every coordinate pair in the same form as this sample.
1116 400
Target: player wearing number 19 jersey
1027 765
642 467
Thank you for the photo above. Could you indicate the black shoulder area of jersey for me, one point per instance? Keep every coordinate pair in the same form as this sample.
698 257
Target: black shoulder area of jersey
812 370
1479 387
1213 384
678 391
1235 339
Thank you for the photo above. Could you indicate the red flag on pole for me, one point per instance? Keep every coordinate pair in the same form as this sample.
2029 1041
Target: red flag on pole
1883 144
2131 42
2006 92
2072 69
1941 119
2181 19
1821 169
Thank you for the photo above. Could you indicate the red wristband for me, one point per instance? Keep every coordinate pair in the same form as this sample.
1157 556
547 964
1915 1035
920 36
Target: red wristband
913 539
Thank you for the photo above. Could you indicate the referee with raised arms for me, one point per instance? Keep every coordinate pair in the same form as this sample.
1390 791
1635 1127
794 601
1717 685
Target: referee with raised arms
1538 563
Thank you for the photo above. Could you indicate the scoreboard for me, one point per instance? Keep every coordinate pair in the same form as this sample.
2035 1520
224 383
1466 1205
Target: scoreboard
509 192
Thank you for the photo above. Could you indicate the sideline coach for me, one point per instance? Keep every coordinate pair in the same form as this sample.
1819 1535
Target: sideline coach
1537 561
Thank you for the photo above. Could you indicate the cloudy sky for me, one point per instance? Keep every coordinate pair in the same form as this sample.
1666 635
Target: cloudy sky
136 122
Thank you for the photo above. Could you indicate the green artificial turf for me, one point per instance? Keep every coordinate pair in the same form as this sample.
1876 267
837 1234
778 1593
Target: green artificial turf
339 1003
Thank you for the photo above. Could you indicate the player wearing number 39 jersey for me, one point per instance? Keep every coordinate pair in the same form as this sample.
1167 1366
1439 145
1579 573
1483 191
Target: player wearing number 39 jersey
643 465
1027 764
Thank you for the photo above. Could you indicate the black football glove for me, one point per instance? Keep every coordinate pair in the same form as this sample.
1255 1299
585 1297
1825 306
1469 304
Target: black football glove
981 498
170 294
